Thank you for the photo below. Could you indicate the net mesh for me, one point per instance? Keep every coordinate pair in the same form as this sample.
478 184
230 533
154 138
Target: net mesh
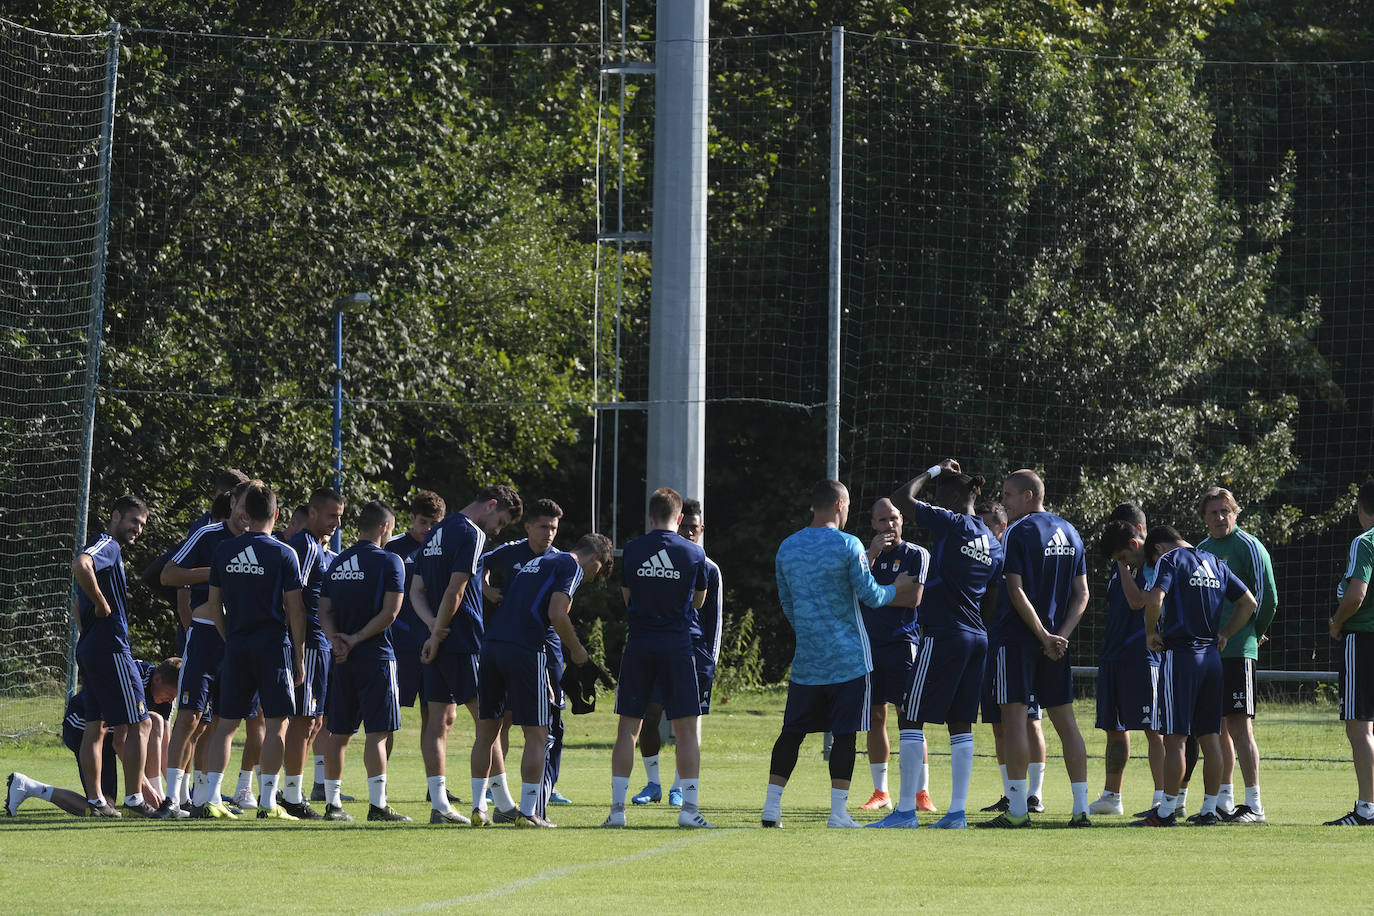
52 94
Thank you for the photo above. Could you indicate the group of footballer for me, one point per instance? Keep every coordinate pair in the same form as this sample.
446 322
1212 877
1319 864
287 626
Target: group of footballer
983 620
309 646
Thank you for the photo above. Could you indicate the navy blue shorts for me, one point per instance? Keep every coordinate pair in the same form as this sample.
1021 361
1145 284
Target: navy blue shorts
893 665
1025 674
410 676
513 678
992 713
113 686
840 709
311 695
1238 686
706 681
947 681
1126 695
1190 691
450 679
363 692
257 668
646 674
200 665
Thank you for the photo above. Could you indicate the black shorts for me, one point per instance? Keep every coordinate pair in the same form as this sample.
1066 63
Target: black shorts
1357 677
1238 686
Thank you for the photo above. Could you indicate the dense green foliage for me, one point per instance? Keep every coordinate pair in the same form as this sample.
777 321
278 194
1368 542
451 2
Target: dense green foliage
1068 245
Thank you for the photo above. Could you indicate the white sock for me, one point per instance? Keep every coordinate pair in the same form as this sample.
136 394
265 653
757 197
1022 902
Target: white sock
438 793
332 792
839 801
200 796
1364 808
690 789
1252 799
291 788
1080 797
134 800
879 771
376 790
651 768
214 783
1226 799
960 769
479 793
257 775
245 782
620 787
174 779
161 786
187 783
1169 805
1108 795
1035 779
923 783
912 744
319 769
677 780
1016 796
1182 798
39 790
1158 797
267 782
529 797
500 795
1003 768
772 803
1209 804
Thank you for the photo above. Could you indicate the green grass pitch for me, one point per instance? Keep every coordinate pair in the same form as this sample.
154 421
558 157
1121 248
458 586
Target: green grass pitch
53 862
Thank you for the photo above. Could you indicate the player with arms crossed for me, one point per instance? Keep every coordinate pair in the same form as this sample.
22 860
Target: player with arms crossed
1127 671
1249 560
515 671
822 576
359 600
447 595
255 601
1190 592
892 638
946 682
663 583
1046 593
1352 626
114 693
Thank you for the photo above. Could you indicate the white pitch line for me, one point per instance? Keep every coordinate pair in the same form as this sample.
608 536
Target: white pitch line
554 873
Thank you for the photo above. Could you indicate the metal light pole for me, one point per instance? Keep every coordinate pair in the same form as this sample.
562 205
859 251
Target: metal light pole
341 305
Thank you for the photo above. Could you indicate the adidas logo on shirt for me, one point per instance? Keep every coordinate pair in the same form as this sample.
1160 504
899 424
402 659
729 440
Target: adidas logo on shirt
1204 576
978 549
658 566
435 547
1059 545
348 569
246 562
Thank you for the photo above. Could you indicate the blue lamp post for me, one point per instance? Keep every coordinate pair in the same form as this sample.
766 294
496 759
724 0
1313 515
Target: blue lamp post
341 305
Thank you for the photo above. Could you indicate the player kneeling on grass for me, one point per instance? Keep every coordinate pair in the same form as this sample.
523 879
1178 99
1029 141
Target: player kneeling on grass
255 593
822 576
514 670
359 599
1183 620
1353 627
159 687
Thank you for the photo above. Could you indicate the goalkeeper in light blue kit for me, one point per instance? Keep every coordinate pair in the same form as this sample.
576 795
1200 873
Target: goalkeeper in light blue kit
822 576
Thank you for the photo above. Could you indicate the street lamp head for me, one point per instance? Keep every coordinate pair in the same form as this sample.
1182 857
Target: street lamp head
352 301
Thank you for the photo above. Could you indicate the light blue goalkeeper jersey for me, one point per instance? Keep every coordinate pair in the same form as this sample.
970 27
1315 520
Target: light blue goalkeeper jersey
822 576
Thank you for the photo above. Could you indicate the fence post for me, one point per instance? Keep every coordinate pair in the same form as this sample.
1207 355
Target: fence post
97 324
832 395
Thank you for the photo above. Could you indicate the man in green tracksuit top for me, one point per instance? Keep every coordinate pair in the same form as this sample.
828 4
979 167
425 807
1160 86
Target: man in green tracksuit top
1250 562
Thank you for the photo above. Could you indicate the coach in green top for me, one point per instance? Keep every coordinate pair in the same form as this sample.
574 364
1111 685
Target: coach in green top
1353 627
1250 562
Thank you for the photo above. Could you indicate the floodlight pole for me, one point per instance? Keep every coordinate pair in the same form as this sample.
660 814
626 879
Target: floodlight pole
341 305
677 320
